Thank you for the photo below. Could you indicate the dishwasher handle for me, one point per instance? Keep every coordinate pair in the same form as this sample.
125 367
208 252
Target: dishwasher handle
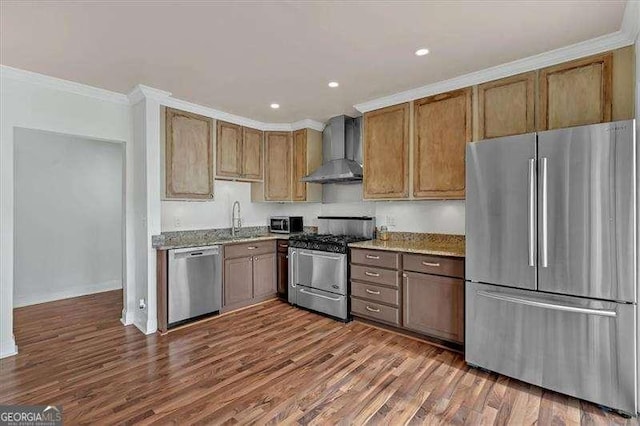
192 252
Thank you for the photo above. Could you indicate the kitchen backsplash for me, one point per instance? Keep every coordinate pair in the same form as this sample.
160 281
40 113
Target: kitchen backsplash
446 217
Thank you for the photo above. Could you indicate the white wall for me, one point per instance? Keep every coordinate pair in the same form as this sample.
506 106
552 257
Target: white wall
39 106
68 238
183 215
338 200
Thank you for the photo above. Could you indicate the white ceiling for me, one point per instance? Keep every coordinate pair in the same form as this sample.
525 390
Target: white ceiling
239 57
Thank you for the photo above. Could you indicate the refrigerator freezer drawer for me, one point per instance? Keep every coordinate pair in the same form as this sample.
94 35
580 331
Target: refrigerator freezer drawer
580 347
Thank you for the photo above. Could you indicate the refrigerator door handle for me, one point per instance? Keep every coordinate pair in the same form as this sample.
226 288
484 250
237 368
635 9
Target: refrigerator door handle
545 305
531 212
544 251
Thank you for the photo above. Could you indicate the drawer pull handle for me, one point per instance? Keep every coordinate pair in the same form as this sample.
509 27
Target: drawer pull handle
371 274
370 309
370 256
435 265
283 245
252 248
371 291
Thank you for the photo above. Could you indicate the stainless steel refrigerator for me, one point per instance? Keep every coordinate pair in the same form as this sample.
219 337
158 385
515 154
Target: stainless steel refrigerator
551 260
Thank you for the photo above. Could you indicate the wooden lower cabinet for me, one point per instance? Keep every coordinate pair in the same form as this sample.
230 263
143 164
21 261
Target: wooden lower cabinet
415 293
238 280
249 279
283 274
264 276
434 305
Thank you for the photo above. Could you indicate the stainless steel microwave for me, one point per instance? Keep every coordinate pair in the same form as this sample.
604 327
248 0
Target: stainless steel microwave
285 224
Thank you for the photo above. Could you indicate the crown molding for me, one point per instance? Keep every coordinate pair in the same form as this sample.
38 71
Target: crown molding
140 92
237 119
307 124
212 113
63 85
542 60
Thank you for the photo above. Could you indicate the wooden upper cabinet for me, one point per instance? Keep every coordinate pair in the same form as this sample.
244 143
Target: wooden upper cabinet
252 153
576 93
386 153
277 185
507 106
188 155
442 130
299 164
229 150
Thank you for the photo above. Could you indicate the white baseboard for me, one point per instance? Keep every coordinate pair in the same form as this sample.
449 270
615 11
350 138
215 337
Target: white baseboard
144 324
127 317
33 299
8 348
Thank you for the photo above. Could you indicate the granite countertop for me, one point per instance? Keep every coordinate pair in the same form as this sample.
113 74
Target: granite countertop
433 244
209 237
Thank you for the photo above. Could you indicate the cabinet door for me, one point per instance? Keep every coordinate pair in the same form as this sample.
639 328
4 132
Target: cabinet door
238 280
189 155
576 93
386 153
442 130
229 150
506 107
283 273
277 166
434 305
299 164
251 153
264 275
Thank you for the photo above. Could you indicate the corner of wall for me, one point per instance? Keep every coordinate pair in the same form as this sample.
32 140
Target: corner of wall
8 348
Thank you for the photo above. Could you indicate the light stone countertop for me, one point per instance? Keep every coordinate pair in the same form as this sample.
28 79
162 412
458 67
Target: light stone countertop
431 244
210 237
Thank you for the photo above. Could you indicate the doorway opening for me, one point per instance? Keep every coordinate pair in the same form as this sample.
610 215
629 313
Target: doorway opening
69 227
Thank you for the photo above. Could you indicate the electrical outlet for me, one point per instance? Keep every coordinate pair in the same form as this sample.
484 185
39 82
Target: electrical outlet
177 221
142 304
391 221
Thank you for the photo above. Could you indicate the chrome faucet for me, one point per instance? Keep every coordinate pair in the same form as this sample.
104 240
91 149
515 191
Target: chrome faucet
236 222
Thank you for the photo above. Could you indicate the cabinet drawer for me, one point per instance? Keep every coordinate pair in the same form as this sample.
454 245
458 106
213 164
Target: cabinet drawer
434 265
249 249
282 246
375 293
375 311
375 275
381 259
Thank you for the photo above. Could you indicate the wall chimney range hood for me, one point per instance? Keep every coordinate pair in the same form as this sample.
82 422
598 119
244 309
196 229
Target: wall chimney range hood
342 152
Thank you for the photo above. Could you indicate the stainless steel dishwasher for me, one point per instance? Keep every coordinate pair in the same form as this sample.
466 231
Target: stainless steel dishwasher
195 283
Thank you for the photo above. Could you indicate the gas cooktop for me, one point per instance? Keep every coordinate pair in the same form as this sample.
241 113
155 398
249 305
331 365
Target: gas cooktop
324 242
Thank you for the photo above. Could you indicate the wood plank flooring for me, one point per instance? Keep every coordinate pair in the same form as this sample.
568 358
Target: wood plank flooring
268 364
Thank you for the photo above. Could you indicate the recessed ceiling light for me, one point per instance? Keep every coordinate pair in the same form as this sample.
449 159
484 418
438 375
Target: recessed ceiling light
275 106
333 84
422 52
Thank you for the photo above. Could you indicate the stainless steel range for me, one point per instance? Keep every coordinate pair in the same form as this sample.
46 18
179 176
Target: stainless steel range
318 264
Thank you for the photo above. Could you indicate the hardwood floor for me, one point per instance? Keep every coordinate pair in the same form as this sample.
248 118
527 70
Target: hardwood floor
271 363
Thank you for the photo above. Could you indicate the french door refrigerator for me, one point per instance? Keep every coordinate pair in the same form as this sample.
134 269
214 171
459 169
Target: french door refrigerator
551 258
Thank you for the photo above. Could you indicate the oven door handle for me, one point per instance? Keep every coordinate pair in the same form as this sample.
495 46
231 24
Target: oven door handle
292 276
302 290
316 254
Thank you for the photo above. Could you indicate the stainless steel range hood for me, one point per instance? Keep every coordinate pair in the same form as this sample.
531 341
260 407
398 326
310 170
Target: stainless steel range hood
342 152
